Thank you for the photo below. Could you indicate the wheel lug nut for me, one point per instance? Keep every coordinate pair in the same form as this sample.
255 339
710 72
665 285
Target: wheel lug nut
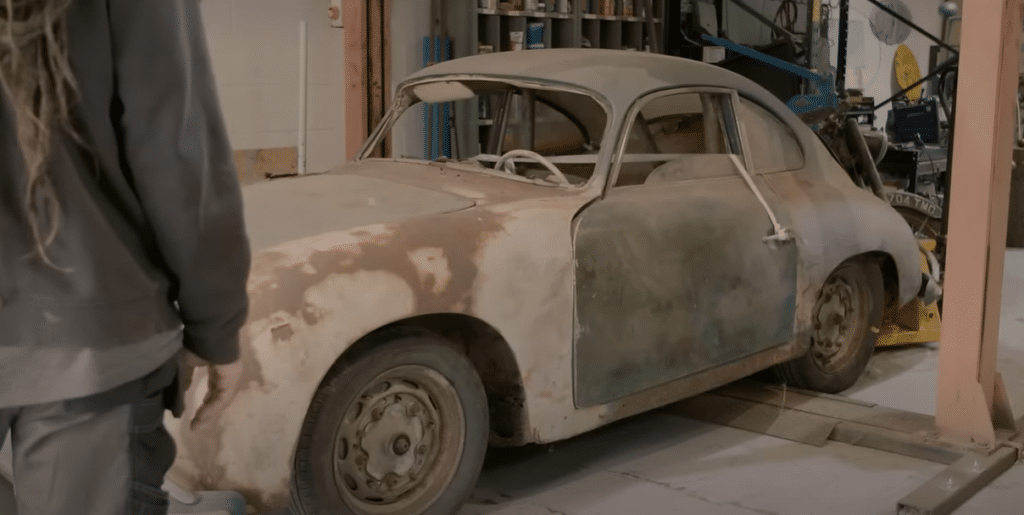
414 409
375 485
391 481
377 414
421 449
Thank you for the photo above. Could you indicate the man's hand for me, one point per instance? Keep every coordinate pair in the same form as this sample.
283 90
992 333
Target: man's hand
223 382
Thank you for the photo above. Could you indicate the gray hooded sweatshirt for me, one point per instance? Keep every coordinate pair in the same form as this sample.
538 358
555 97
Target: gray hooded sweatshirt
152 229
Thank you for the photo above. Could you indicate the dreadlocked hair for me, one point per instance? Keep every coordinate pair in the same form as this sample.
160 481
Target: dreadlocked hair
35 74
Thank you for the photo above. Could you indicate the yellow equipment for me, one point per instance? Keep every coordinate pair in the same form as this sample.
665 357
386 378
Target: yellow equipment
907 71
916 322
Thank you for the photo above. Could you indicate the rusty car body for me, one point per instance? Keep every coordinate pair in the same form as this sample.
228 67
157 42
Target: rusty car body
577 302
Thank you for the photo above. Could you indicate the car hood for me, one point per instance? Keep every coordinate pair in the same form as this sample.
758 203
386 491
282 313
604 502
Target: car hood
287 209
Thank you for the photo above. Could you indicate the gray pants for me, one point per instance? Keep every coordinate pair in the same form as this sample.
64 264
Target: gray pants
106 454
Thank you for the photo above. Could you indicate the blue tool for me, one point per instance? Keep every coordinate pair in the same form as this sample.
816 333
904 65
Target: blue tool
825 96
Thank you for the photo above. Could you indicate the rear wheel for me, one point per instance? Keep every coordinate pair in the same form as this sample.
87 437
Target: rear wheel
845 321
400 429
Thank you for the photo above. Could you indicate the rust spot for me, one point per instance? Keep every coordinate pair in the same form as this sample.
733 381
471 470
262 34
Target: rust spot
264 262
310 316
282 333
459 235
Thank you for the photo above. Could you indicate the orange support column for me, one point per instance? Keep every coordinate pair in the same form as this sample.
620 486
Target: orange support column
972 401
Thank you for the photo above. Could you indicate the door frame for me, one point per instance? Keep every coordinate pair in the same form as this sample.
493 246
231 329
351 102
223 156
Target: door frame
638 104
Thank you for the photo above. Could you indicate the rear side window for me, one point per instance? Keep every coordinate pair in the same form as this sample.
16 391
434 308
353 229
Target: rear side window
773 146
678 137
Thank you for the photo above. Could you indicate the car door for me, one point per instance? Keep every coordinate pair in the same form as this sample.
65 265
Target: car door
674 275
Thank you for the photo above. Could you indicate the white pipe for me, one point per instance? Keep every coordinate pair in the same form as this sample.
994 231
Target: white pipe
303 87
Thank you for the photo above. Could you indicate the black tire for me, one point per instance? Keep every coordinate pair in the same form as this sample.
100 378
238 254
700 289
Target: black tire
401 399
840 348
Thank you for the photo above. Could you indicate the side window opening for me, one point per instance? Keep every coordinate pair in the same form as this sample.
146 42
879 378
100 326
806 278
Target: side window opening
772 143
679 137
549 124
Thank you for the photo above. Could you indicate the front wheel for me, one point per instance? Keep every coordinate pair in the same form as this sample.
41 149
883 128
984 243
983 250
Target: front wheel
845 324
400 429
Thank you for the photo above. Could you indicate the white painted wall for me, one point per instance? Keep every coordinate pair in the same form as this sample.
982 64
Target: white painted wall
255 50
870 62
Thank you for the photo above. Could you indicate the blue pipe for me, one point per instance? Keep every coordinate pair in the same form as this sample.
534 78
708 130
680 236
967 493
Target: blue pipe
435 127
826 97
426 107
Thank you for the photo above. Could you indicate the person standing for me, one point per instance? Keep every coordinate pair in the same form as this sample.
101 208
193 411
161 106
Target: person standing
122 242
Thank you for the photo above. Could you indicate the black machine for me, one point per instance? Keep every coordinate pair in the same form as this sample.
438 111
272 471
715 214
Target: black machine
912 123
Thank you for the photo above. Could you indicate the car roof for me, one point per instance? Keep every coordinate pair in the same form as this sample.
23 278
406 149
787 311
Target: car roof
618 75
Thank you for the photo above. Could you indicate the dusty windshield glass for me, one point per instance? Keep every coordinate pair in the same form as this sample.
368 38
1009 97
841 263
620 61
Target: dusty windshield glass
541 135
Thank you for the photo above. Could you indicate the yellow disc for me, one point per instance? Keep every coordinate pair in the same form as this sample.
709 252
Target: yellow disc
907 72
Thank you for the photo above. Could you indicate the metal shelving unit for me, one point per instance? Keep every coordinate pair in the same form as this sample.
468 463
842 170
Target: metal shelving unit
613 24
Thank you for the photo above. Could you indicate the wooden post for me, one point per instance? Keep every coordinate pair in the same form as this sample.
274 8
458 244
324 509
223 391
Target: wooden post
971 400
354 15
367 70
386 69
375 67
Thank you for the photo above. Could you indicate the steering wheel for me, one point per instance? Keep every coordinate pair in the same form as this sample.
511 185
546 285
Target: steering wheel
505 164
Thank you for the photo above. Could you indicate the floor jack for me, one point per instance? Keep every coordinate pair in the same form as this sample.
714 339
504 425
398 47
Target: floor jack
916 322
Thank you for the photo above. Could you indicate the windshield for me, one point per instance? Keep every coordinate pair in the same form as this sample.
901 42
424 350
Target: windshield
546 136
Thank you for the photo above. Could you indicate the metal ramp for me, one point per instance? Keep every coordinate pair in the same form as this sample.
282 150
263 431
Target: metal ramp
814 419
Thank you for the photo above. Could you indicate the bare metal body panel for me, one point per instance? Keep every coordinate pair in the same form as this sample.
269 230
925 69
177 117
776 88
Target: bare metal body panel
445 240
673 281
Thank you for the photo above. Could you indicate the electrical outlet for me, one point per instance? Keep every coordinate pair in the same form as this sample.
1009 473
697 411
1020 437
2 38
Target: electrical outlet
334 13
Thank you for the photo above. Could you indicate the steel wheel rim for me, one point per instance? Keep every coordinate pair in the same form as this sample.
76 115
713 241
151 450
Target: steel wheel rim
399 443
838 323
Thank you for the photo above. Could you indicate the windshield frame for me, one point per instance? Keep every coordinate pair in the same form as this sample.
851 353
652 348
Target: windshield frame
401 103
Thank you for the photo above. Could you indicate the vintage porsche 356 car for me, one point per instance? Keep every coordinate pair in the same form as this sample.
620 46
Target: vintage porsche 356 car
625 230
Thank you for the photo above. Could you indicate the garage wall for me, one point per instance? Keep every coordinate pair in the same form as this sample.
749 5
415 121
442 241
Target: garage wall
410 23
869 61
255 49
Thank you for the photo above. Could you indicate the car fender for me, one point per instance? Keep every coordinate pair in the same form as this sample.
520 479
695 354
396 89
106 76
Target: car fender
833 220
312 299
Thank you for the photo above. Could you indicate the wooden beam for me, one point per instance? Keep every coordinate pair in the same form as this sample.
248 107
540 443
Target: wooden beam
367 71
375 67
356 102
386 69
971 401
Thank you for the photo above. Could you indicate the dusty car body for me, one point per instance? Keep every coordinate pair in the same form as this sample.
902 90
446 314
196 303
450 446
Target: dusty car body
528 278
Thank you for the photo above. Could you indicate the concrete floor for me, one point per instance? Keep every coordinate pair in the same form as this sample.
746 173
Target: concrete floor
660 463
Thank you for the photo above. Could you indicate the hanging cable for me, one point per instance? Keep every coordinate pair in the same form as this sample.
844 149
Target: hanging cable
786 17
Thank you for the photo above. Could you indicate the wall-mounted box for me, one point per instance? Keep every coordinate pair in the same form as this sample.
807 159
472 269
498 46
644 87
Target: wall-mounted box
334 13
